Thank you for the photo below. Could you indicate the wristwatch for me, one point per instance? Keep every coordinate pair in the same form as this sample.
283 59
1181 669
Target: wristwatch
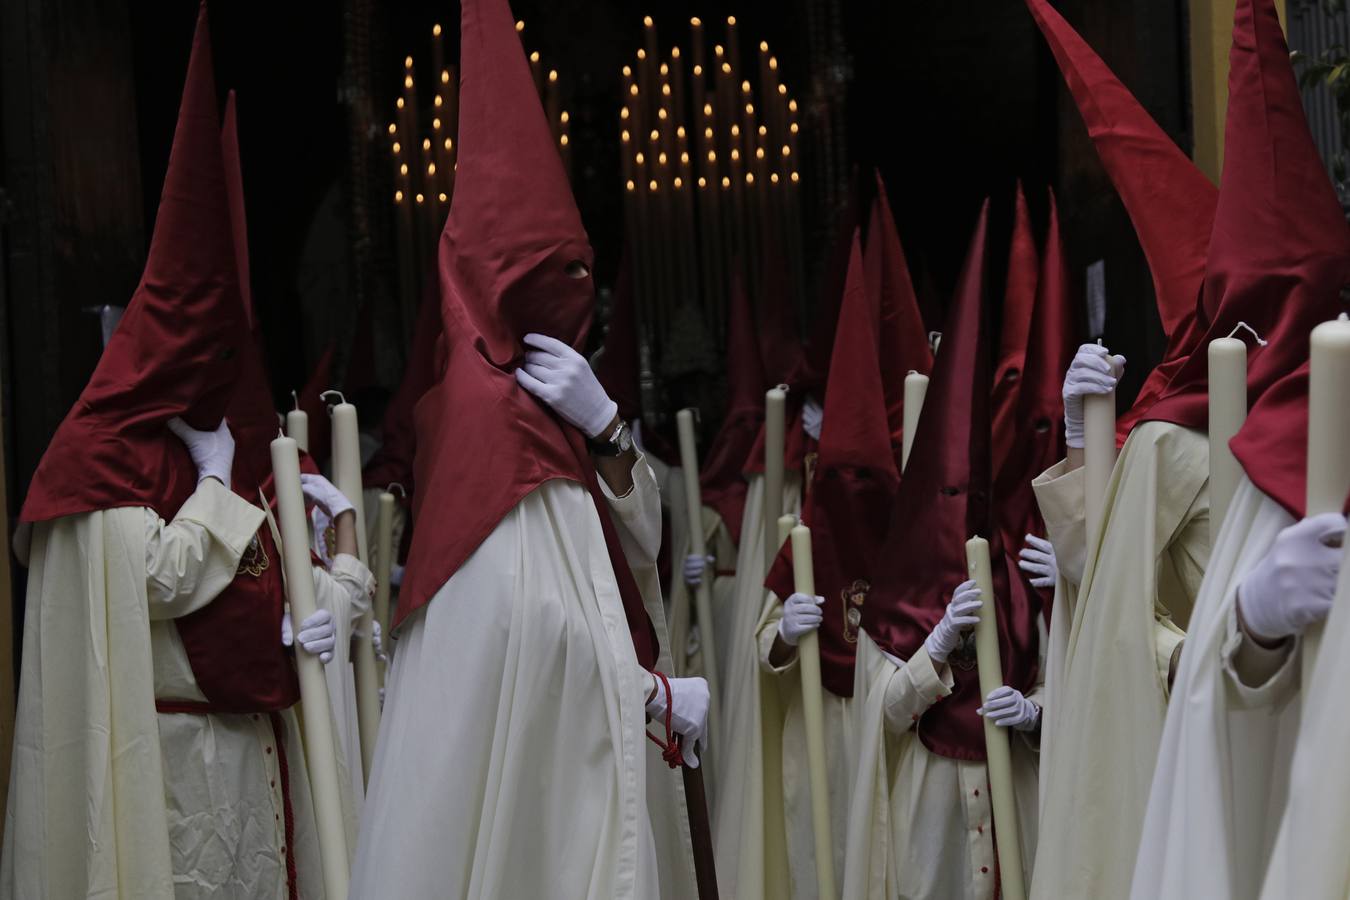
617 444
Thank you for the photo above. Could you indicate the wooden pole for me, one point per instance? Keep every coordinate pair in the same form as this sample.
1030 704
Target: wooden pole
320 751
916 388
813 715
1328 442
1227 412
998 756
700 834
775 435
693 500
347 475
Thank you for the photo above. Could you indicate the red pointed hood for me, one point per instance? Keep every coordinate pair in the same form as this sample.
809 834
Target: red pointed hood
944 499
1170 201
1019 301
393 462
1038 440
1281 249
903 337
858 435
619 368
251 414
176 351
722 480
854 483
508 257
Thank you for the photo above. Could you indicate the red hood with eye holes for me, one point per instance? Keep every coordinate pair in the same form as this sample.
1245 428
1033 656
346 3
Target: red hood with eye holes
483 442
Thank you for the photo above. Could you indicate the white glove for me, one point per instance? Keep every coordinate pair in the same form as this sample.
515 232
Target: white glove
1293 585
813 416
317 634
212 452
963 611
1037 559
1007 708
396 574
801 615
1093 371
689 712
377 641
693 568
325 495
561 377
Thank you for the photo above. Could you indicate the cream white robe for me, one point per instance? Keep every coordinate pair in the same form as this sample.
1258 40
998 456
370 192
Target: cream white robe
637 518
1309 859
512 761
687 652
345 590
1111 644
794 777
920 825
1223 768
749 829
109 798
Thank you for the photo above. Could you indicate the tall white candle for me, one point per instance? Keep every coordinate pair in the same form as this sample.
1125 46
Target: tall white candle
775 437
998 757
320 750
347 474
693 507
916 389
297 425
813 717
1227 412
1328 440
1099 458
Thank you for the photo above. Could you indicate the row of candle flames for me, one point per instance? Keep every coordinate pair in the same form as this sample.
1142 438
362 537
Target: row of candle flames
709 174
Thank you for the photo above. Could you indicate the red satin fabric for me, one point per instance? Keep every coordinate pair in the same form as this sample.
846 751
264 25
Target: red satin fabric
943 499
1039 437
483 442
1281 250
1019 303
177 350
723 479
903 336
1170 202
849 500
233 644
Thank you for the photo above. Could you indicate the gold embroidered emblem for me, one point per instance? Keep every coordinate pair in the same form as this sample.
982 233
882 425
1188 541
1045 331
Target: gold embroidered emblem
254 561
809 468
330 541
854 596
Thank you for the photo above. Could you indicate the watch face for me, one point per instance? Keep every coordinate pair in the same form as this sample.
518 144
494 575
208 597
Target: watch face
624 439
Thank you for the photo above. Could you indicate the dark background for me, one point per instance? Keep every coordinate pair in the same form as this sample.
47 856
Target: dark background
950 101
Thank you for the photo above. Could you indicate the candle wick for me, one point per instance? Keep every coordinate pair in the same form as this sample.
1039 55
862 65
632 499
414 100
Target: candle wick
1241 325
338 394
295 398
394 484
